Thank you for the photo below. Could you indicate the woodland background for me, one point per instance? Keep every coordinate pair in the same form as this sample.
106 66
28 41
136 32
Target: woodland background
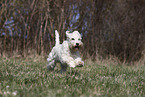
109 27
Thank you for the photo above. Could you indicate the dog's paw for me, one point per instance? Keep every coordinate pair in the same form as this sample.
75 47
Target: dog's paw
50 68
80 64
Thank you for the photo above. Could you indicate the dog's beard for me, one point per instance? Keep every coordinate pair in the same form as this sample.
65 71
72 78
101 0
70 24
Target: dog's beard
75 48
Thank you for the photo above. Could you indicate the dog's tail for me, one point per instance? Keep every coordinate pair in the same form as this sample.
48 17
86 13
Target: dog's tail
56 38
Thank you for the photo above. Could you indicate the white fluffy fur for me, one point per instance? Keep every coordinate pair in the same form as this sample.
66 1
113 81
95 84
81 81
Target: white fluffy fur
67 53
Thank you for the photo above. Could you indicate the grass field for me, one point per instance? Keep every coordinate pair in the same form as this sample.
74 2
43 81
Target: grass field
30 78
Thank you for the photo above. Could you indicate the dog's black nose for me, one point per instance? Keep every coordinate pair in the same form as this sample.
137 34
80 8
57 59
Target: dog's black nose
77 44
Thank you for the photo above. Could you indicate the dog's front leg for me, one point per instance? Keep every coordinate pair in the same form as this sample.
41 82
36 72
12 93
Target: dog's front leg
63 67
69 61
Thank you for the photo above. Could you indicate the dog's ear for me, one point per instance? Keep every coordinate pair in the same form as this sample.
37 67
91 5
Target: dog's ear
77 32
67 33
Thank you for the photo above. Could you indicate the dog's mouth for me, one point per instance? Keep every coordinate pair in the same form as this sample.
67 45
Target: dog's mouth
76 47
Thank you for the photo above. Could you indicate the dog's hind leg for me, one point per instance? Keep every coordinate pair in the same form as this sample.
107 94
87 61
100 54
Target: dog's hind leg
51 64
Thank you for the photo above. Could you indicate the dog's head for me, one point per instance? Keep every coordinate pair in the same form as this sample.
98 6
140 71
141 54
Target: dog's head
74 40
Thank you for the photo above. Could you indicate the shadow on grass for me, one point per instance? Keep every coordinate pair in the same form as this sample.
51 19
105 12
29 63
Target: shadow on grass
69 71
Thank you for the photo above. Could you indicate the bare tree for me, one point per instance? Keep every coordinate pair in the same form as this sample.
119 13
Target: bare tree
109 27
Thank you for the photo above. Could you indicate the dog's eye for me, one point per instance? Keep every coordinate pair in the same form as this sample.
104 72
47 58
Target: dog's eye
79 39
72 39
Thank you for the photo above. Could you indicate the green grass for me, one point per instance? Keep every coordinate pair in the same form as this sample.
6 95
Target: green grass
28 78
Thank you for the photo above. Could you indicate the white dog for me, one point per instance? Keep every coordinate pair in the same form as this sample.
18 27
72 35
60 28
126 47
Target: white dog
67 53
